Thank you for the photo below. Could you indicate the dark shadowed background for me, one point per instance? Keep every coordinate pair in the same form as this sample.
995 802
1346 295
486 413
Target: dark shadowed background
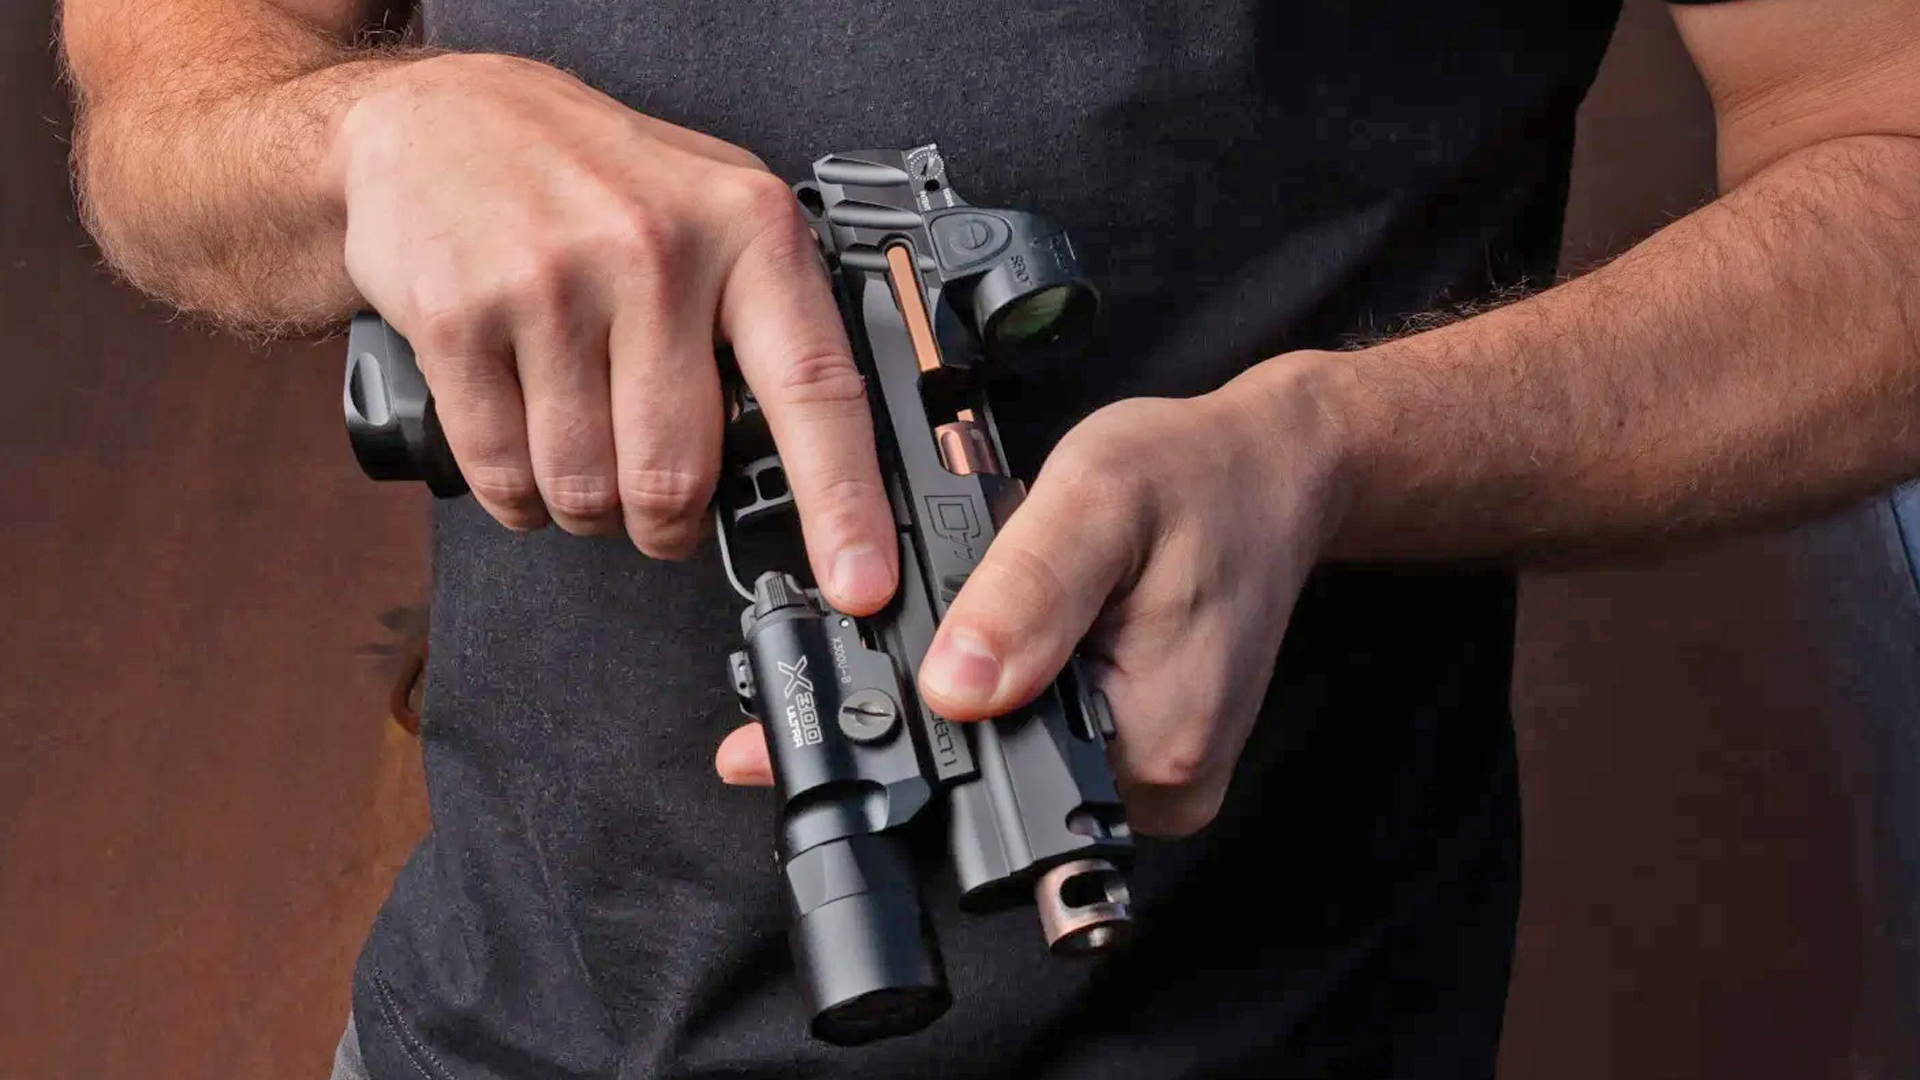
201 802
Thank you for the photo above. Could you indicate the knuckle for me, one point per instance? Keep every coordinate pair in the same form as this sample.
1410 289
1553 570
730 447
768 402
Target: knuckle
823 379
510 492
850 491
769 220
1031 587
763 200
729 153
445 318
537 279
581 496
1108 443
1120 443
662 494
660 540
517 519
845 502
1101 479
641 242
788 244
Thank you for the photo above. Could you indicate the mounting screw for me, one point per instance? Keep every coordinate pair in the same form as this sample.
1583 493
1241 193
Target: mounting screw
868 716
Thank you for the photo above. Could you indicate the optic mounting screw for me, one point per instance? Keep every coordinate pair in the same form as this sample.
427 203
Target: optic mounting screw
868 716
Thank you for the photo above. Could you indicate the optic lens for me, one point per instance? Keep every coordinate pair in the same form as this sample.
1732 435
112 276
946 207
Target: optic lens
1032 316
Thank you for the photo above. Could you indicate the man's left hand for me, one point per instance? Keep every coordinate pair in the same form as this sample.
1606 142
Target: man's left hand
1166 540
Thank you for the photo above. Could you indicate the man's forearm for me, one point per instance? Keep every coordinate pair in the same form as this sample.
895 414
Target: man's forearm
199 152
1753 362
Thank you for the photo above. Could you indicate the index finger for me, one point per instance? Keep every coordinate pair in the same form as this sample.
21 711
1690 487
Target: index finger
779 315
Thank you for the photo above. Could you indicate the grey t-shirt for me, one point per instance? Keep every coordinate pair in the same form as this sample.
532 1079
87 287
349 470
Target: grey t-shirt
1243 178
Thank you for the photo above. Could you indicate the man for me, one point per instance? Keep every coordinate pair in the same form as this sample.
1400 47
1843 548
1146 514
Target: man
1334 887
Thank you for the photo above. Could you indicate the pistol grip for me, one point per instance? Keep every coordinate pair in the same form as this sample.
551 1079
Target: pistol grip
390 417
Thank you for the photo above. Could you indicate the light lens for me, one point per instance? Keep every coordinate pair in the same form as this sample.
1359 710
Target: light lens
1032 318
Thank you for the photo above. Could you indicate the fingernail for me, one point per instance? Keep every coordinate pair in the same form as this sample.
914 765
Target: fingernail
961 670
860 575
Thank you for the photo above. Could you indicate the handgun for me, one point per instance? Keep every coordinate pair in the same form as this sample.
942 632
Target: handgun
936 295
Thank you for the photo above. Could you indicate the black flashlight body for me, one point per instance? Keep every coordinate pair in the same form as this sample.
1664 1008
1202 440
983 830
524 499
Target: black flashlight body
849 778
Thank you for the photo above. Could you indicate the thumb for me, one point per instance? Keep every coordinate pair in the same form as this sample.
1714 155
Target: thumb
1031 600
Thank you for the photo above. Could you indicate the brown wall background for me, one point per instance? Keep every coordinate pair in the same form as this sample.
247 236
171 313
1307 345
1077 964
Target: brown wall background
1717 749
200 805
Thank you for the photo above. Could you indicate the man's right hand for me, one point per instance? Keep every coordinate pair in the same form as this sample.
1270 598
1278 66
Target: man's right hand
563 266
